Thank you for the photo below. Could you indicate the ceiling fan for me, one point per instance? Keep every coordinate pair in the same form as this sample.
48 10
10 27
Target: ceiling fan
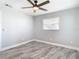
36 6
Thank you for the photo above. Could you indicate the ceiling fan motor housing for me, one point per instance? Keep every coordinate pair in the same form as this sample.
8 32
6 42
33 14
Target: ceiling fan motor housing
35 1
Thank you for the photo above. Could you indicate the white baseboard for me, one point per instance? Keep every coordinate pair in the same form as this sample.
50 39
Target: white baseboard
13 46
66 46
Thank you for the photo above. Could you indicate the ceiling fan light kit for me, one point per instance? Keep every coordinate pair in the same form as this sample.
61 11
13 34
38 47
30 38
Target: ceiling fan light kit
35 8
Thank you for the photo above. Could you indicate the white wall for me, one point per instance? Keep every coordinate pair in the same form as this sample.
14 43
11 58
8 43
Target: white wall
17 27
0 27
69 28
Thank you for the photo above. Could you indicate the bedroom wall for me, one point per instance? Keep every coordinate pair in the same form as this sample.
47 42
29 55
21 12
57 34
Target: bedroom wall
0 27
17 27
69 28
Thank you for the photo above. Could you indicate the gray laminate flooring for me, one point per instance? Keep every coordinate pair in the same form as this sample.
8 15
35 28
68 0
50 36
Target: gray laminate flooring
38 50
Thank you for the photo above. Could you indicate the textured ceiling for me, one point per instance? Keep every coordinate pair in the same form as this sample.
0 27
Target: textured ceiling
53 6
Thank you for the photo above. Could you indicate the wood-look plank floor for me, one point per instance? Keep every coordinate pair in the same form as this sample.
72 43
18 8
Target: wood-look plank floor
38 50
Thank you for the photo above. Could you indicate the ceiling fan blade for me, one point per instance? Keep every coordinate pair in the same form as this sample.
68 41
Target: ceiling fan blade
26 7
43 9
41 4
30 2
